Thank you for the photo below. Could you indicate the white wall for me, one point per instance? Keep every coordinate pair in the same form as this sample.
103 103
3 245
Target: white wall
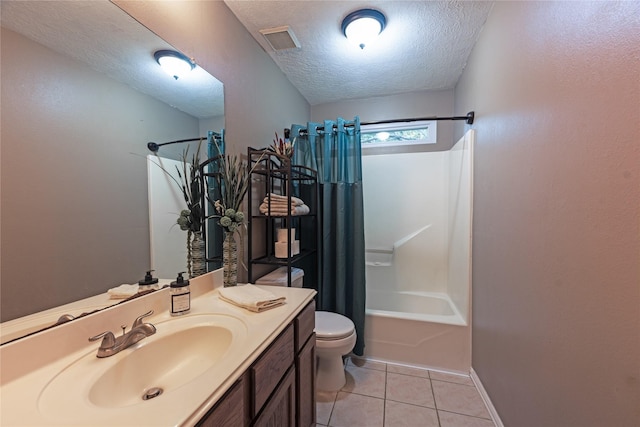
556 242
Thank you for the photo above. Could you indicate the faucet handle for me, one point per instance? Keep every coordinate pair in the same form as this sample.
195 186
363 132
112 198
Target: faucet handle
108 339
138 321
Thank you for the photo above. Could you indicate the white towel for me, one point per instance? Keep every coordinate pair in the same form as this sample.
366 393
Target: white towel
250 297
276 198
123 291
282 211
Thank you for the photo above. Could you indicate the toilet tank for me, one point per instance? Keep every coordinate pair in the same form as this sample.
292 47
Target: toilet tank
278 277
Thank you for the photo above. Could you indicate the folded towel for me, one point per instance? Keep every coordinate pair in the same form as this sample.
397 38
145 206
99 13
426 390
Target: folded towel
276 198
250 297
282 211
123 291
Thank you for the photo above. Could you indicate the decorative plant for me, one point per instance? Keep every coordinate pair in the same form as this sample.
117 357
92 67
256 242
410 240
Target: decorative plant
190 220
190 182
282 147
233 180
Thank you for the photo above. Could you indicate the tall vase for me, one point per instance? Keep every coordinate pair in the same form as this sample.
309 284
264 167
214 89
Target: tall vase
229 259
198 255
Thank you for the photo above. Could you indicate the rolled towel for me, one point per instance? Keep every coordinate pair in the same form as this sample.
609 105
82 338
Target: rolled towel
283 211
250 297
300 210
283 199
123 291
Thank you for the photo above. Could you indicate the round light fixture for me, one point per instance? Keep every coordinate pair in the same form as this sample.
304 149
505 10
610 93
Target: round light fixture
174 63
362 26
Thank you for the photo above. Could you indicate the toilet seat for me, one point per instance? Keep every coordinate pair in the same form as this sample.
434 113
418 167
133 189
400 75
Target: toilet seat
333 326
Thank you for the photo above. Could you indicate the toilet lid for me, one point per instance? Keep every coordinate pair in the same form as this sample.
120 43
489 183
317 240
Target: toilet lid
333 326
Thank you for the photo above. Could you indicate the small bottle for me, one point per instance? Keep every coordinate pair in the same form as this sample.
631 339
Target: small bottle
148 282
180 296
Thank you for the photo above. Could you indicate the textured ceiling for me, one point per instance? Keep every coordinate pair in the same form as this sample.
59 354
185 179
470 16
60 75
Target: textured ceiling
424 46
103 36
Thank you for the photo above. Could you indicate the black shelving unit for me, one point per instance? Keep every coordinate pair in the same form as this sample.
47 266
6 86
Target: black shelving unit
273 173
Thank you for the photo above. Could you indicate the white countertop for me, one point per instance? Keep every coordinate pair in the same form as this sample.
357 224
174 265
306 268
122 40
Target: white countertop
28 365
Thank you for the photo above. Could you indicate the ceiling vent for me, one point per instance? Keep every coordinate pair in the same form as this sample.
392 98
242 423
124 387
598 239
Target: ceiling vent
280 38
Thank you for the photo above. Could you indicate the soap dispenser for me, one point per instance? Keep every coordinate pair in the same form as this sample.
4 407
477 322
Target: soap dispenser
180 296
146 283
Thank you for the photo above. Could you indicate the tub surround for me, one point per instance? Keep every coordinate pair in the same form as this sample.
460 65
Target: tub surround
30 364
419 291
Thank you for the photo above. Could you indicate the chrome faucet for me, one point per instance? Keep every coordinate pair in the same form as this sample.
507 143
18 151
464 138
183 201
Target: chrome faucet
111 345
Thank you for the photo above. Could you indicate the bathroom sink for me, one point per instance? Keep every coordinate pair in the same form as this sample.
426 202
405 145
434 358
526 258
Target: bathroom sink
180 353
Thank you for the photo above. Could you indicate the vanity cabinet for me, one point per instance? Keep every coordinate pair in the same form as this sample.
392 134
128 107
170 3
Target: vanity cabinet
278 389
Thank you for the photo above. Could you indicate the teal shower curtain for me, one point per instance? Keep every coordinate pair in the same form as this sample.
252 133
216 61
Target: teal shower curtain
336 154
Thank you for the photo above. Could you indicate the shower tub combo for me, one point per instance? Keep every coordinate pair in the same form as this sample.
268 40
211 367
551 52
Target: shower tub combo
418 288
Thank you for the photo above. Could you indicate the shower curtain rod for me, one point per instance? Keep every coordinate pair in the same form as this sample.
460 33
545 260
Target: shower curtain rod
468 118
155 147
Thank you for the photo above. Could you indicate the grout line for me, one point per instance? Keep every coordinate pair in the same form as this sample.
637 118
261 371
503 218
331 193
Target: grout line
384 402
410 404
435 404
466 415
335 399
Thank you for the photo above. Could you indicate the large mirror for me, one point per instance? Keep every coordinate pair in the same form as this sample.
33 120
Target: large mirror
81 97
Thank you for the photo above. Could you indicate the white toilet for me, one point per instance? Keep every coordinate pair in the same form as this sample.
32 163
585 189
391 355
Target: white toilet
335 337
335 334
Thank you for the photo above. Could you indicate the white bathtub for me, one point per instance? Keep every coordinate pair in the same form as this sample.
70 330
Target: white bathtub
416 328
423 306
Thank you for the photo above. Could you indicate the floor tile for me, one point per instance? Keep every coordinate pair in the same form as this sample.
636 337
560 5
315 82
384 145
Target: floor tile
398 414
459 398
449 419
408 370
369 382
452 378
355 410
324 406
407 389
362 362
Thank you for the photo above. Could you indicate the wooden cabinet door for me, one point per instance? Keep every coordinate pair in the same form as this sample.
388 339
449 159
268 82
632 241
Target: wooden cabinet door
269 369
306 384
233 408
280 410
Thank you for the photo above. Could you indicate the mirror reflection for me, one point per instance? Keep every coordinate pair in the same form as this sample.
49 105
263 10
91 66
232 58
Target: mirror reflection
81 97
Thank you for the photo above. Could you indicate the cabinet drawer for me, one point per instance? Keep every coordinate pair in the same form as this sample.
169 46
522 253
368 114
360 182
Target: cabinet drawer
305 323
270 367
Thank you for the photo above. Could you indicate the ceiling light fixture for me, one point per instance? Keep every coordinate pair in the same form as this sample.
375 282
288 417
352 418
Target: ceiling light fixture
174 63
362 26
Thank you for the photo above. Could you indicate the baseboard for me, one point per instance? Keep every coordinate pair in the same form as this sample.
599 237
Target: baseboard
485 397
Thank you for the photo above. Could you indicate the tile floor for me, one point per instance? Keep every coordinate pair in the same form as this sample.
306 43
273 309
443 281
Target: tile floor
386 395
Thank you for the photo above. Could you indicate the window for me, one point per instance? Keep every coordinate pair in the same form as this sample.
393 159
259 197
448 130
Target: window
398 133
